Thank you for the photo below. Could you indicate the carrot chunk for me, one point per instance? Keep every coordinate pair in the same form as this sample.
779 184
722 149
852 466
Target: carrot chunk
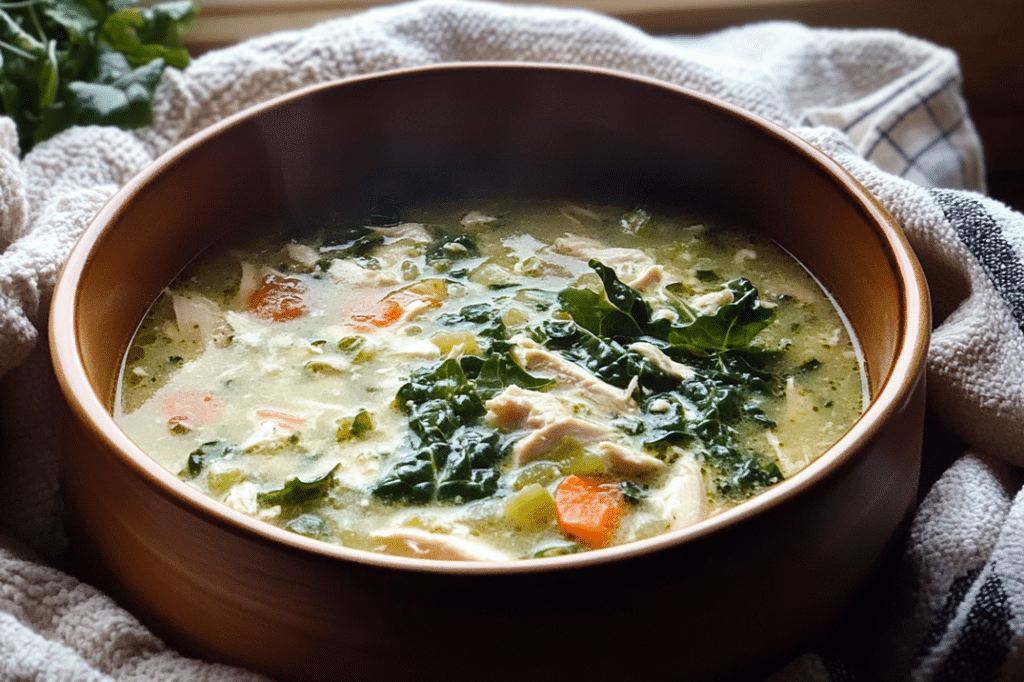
279 299
185 410
588 509
380 314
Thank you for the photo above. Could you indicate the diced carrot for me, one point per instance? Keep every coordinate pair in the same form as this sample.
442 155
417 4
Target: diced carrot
376 315
185 410
282 419
279 298
588 509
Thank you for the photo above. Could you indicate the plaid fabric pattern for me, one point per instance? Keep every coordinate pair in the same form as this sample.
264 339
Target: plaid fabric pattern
918 129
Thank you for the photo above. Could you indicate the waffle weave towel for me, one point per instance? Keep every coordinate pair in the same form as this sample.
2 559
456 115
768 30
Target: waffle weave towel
884 104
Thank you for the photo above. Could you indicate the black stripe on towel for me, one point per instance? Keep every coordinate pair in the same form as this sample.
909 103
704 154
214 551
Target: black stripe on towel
984 640
958 589
981 234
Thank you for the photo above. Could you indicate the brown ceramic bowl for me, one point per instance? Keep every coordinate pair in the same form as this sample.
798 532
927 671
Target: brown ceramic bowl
737 591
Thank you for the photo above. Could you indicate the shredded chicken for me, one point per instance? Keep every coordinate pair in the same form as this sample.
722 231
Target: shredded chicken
351 273
663 362
682 499
413 231
588 386
649 279
627 462
708 304
422 544
303 254
518 408
627 263
201 321
545 439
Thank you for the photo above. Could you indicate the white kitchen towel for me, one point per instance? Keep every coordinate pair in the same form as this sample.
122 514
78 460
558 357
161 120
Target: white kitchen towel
886 105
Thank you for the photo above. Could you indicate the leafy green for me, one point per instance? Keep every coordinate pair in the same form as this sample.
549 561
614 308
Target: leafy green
464 468
499 371
444 457
85 62
199 458
733 325
482 319
705 410
296 494
451 247
448 455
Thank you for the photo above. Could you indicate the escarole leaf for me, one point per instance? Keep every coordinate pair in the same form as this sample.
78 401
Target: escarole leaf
499 371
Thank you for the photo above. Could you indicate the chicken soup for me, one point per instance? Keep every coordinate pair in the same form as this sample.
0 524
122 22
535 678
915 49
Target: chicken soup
492 382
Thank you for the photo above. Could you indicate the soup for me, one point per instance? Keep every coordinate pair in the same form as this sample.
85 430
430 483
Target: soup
502 381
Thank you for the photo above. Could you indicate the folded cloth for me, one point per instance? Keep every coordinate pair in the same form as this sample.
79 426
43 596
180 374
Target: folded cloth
885 105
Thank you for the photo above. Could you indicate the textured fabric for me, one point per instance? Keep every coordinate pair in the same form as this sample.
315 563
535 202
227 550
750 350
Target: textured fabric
885 105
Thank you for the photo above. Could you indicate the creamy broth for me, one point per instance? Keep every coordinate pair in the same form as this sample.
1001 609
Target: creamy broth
511 381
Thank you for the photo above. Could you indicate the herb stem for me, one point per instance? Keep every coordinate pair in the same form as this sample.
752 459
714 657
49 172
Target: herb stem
40 33
16 50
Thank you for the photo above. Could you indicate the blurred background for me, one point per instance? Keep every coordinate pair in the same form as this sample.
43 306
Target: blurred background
988 36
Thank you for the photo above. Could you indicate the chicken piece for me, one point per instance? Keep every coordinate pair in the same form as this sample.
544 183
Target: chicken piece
682 500
545 439
200 320
708 304
649 279
588 386
303 254
413 231
663 362
422 544
627 263
350 273
516 408
476 219
242 498
626 462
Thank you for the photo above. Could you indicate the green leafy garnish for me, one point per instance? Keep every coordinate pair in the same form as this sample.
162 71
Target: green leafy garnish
85 62
296 494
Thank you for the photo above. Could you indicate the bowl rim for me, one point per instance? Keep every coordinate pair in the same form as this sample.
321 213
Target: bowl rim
895 388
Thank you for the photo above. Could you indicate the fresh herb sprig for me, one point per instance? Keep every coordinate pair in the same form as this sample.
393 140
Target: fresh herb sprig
85 62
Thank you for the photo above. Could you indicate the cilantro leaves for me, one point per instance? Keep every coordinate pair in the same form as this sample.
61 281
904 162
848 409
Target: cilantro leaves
85 62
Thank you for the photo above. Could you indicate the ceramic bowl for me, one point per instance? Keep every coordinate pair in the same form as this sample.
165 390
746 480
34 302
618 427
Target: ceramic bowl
731 594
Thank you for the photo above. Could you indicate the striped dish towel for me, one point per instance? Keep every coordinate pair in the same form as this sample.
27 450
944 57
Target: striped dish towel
885 105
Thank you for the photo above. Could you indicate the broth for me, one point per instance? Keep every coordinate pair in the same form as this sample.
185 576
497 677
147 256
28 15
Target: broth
512 381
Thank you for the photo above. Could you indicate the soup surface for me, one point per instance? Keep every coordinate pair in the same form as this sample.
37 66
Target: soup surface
511 381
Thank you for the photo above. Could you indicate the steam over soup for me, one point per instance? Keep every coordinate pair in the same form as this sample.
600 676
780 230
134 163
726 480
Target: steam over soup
522 380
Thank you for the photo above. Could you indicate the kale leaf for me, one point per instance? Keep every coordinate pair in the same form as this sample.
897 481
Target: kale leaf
199 458
448 456
622 312
704 410
296 495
